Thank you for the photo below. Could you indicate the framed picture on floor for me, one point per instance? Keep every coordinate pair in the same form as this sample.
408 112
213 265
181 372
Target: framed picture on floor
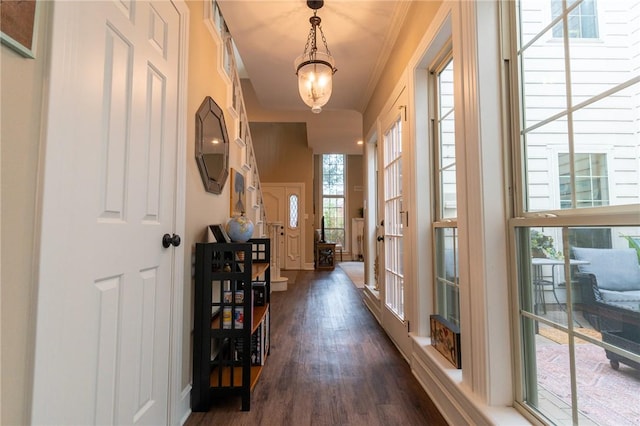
445 337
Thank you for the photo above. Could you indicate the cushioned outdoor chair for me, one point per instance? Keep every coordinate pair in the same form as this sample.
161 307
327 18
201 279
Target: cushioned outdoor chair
611 277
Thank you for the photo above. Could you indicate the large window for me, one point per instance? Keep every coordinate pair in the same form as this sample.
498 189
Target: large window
445 203
591 178
577 201
333 197
582 22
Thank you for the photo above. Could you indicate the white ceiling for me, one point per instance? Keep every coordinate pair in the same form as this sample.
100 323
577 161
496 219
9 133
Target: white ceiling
269 35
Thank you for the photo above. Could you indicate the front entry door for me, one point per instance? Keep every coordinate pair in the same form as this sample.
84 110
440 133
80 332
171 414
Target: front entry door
110 194
392 215
284 203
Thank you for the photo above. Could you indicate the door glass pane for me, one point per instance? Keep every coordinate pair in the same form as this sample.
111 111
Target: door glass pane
394 278
293 211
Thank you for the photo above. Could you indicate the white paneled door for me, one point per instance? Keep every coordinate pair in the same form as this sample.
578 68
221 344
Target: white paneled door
284 203
103 333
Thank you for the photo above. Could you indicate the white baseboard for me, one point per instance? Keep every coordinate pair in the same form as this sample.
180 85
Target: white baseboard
184 405
372 302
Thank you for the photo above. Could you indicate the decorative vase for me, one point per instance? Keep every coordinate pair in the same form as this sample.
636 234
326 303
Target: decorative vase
240 228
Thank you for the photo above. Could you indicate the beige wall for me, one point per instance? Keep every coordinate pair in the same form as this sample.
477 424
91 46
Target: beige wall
22 96
202 208
283 156
418 19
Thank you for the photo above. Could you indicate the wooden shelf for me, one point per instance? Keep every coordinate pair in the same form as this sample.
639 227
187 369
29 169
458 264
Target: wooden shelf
219 361
256 370
258 269
258 315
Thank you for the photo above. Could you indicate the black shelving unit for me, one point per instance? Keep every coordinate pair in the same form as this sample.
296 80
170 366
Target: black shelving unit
231 320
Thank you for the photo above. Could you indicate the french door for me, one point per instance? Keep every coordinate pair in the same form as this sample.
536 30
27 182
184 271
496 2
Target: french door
393 216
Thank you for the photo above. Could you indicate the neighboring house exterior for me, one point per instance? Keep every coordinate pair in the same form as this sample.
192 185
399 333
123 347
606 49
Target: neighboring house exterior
605 47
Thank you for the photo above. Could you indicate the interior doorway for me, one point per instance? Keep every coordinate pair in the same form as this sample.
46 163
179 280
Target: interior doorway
284 203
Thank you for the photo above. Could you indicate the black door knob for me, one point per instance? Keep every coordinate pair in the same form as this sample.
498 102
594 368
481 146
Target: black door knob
380 238
170 240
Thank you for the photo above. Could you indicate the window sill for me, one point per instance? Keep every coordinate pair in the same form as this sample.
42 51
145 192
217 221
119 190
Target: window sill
444 385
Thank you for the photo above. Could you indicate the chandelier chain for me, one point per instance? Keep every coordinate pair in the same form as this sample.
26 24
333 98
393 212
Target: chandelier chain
311 38
324 40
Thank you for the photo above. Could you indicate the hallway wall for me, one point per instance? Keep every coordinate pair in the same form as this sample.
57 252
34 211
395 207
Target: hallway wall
23 85
418 19
283 156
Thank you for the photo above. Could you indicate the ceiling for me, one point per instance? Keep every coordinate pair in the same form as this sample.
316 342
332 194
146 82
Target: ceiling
269 35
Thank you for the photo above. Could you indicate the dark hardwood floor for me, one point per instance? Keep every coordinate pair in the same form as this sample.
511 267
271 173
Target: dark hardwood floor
330 364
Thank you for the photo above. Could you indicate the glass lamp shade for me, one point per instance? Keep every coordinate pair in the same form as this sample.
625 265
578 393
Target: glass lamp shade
315 79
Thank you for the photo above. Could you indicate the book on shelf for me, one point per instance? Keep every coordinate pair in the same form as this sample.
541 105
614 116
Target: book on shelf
257 348
238 317
226 317
228 296
259 292
266 323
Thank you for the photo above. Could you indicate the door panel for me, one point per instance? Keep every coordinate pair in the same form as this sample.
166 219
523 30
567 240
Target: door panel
392 214
278 205
104 298
293 235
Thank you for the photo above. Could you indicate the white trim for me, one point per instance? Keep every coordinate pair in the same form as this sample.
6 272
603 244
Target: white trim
176 405
372 301
184 405
209 22
554 171
443 383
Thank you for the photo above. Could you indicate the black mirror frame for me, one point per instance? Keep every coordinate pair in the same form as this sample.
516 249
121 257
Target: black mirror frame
213 184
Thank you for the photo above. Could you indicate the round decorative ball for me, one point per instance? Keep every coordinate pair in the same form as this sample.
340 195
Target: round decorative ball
240 229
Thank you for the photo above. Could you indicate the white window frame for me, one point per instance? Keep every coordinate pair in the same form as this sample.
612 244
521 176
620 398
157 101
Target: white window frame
214 21
609 216
554 170
442 221
343 196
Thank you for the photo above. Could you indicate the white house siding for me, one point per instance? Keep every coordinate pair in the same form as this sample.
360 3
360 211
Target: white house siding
610 126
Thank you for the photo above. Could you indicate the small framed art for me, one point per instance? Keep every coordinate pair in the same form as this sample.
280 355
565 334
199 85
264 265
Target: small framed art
445 337
219 234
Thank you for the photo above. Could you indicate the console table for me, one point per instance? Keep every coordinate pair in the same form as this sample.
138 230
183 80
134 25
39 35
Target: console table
325 255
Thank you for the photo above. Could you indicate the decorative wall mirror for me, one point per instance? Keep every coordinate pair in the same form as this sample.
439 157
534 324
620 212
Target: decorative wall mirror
212 146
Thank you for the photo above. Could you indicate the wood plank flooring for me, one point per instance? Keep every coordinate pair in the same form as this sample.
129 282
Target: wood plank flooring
330 364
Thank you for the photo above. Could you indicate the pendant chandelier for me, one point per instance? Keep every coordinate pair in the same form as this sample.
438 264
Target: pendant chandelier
315 69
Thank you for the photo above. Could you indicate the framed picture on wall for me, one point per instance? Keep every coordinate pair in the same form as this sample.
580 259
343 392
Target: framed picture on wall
18 23
238 193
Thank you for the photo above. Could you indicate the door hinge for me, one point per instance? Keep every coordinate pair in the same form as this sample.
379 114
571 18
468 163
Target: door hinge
404 108
408 326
